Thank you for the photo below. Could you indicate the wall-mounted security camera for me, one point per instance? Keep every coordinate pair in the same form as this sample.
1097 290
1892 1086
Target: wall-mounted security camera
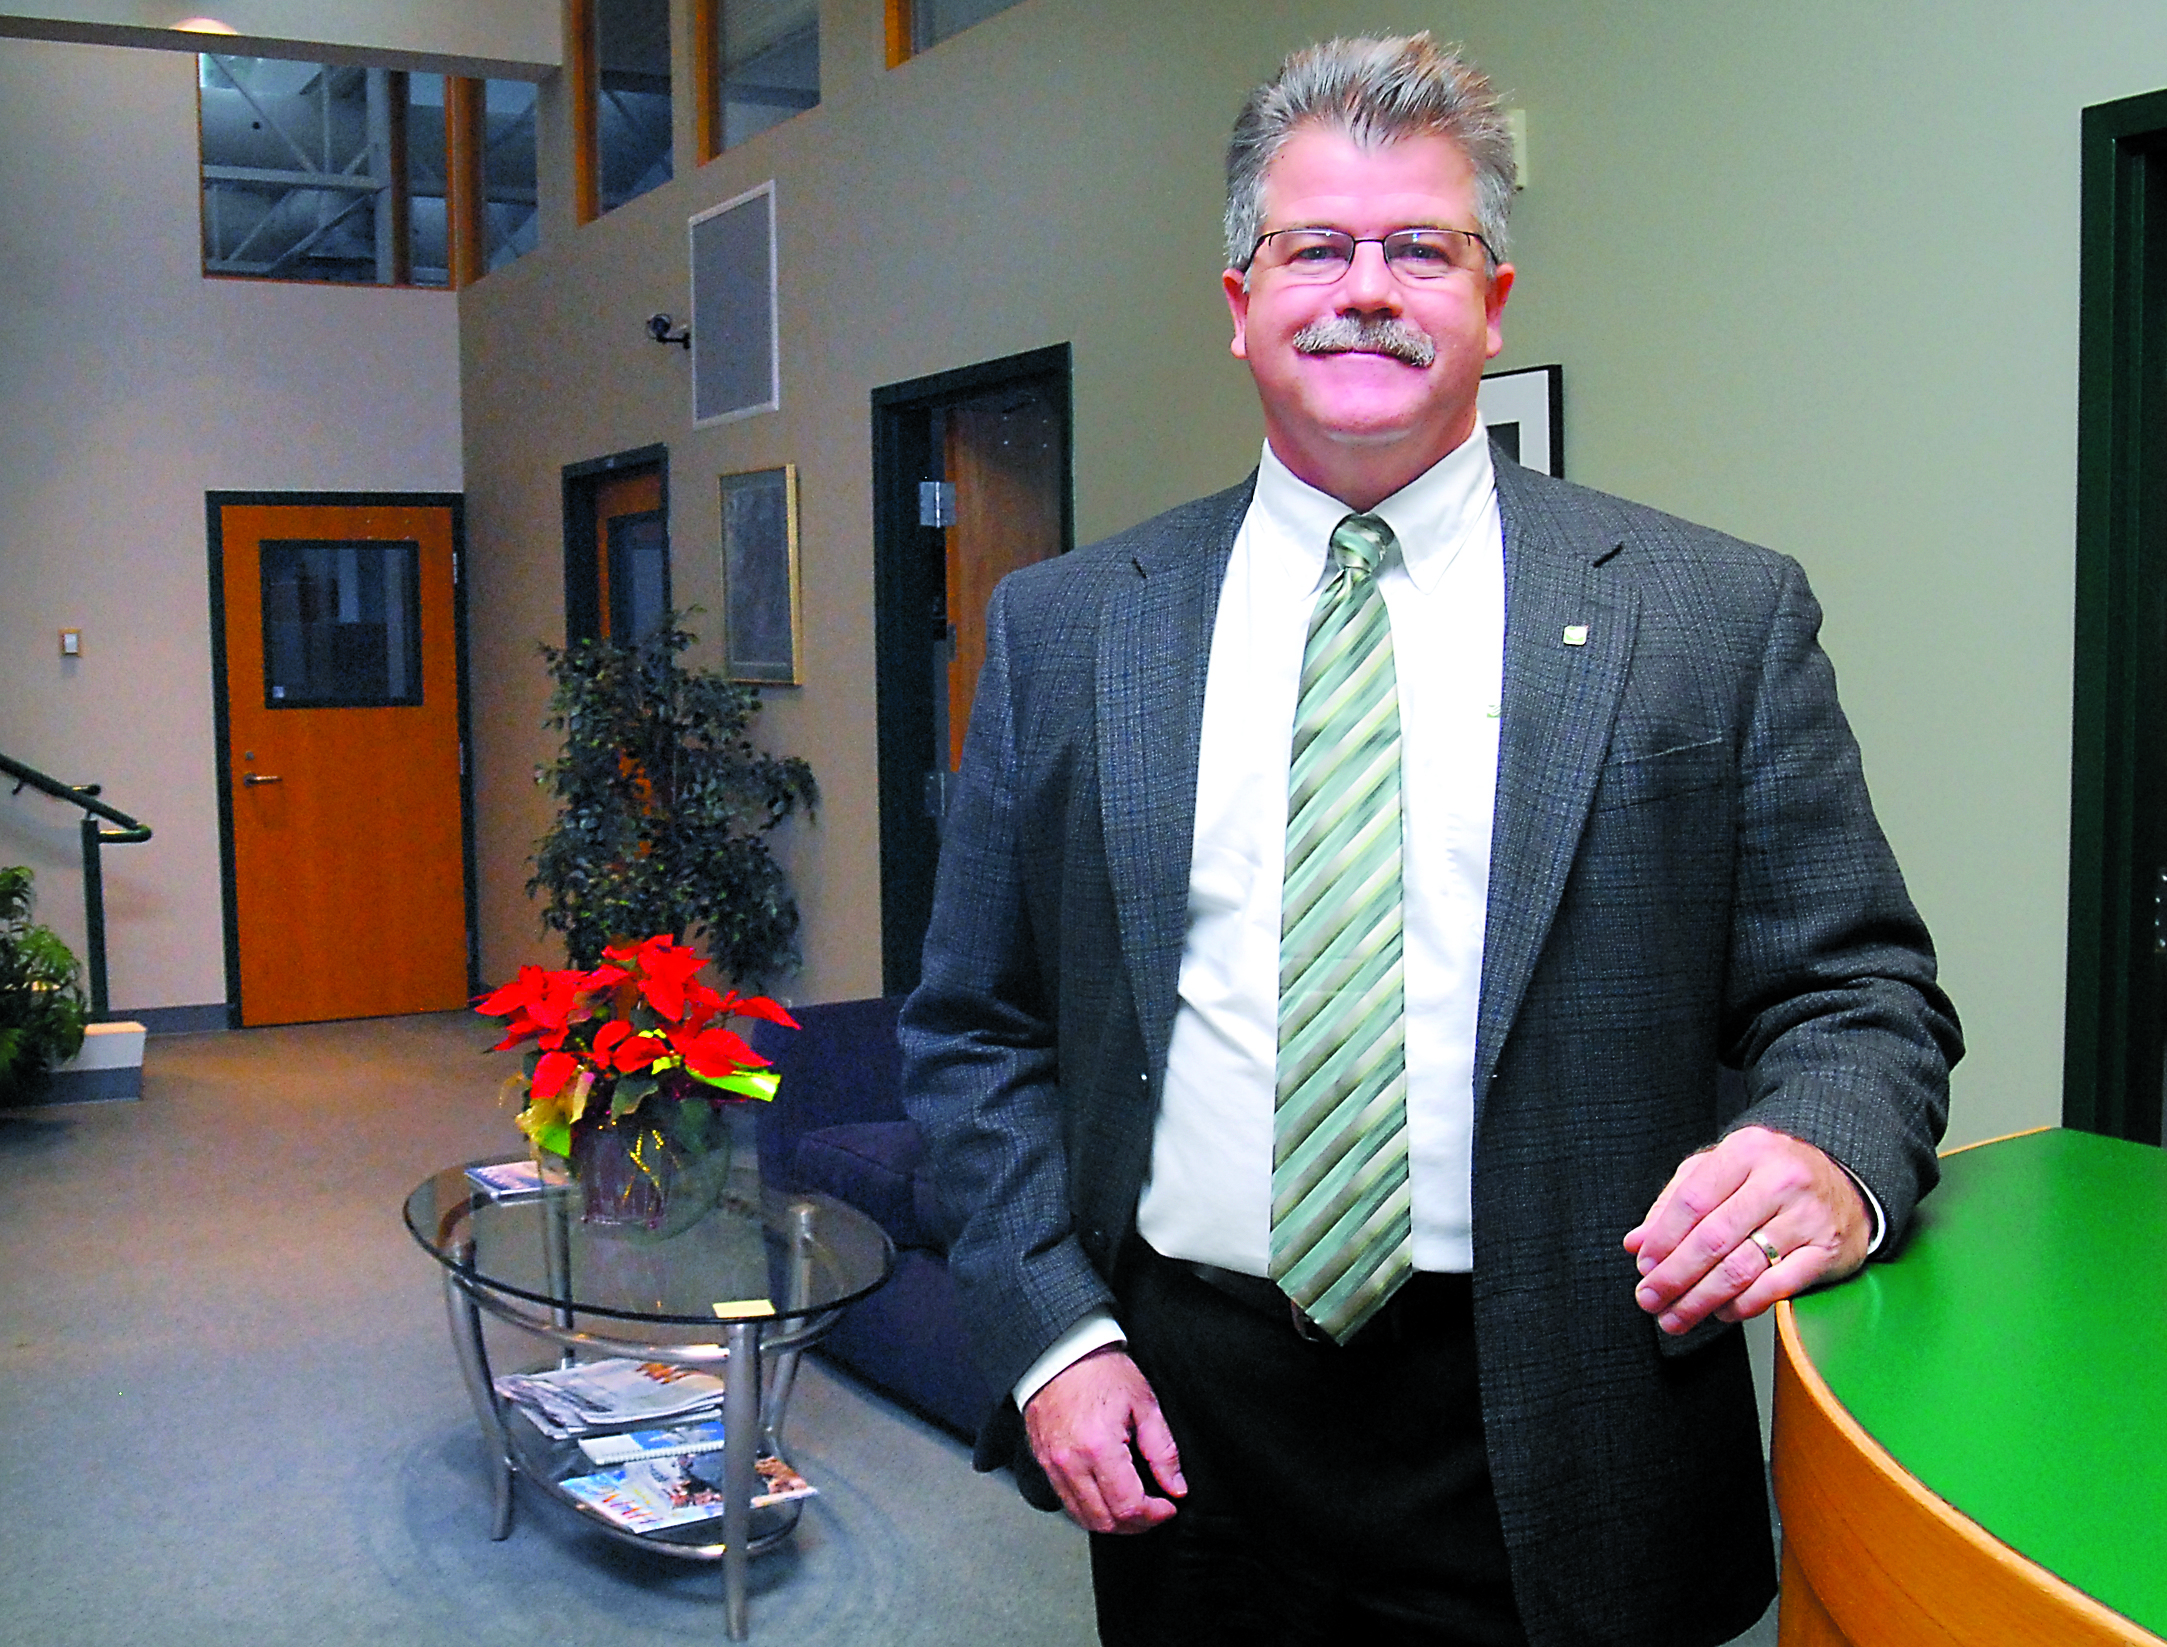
660 328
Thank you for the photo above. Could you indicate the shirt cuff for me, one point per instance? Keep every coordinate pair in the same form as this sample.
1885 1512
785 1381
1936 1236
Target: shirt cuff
1873 1209
1094 1331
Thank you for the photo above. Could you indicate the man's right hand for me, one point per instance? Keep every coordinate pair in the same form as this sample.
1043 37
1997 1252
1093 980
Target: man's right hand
1081 1423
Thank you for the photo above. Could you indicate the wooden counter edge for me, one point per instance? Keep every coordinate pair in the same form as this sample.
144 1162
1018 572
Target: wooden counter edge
1871 1558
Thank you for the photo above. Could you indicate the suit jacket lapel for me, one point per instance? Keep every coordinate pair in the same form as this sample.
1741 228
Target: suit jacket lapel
1154 652
1568 644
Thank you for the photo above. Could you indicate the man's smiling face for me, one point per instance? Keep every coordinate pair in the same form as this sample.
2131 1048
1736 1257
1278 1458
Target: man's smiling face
1369 379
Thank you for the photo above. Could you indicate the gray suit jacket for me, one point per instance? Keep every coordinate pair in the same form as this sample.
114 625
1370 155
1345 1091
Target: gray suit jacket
1686 872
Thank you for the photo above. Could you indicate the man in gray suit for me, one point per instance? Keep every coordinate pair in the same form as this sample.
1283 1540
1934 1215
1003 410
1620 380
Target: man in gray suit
1311 1134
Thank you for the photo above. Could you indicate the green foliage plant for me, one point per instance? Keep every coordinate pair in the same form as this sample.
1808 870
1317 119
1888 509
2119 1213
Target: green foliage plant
42 1004
665 809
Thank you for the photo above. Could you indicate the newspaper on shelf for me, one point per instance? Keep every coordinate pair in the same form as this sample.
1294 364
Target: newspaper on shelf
610 1395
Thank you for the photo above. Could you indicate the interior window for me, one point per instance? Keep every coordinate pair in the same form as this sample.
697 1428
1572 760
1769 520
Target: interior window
932 21
331 172
311 171
632 98
341 625
768 57
510 198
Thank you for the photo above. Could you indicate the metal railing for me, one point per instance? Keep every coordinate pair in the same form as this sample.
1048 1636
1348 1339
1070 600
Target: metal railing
95 837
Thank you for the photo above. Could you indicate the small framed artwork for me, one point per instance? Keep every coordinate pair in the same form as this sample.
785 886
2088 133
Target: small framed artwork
760 616
1525 413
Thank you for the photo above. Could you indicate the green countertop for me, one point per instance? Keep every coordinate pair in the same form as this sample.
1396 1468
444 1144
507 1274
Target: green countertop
2013 1357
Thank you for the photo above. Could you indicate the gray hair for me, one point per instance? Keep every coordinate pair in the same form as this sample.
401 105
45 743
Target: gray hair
1376 92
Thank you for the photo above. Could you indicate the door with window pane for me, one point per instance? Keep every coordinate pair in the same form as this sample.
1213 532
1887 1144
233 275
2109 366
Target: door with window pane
340 757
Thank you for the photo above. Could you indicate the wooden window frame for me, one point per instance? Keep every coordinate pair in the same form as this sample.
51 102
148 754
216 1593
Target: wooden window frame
466 140
582 76
706 81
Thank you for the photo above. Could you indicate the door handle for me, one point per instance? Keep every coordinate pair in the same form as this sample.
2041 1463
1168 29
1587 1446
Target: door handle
251 779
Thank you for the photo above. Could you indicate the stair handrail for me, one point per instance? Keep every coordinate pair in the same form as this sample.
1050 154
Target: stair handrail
95 837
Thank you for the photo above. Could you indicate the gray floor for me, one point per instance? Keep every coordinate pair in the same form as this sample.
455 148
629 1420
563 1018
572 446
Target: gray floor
228 1409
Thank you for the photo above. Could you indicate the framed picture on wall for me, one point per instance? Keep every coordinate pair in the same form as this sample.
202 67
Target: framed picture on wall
1525 412
760 615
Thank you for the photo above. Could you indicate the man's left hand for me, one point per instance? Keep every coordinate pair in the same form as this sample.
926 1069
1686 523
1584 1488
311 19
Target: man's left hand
1701 1247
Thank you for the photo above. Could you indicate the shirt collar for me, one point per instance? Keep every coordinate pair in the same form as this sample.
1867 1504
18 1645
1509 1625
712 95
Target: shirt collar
1432 515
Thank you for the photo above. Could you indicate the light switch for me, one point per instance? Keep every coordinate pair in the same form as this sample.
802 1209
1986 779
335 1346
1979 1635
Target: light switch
71 643
1516 124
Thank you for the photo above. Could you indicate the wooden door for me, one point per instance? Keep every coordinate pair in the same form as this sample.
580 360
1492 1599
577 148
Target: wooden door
632 562
1005 460
341 757
970 482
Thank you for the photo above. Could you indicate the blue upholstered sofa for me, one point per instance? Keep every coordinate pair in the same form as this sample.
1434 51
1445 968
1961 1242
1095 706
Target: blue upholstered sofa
838 1126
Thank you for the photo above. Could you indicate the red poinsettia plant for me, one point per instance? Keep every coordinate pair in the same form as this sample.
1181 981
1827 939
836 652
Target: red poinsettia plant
638 1026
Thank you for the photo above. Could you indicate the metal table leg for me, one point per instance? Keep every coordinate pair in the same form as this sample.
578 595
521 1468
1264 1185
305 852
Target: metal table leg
466 1339
741 1441
799 1292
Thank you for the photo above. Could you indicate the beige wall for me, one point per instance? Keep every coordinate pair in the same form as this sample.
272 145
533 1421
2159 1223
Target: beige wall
130 386
1811 271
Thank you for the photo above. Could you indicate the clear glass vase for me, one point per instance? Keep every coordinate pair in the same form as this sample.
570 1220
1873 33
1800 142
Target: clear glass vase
637 1172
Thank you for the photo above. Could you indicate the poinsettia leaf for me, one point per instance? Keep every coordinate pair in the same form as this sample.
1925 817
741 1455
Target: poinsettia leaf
608 1036
715 1052
511 997
759 1006
554 1135
576 1105
667 966
551 1073
750 1083
640 1051
522 1029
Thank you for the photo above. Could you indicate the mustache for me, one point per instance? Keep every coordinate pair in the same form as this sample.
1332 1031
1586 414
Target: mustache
1346 334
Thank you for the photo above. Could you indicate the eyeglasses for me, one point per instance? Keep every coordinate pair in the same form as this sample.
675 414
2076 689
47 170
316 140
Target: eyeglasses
1322 256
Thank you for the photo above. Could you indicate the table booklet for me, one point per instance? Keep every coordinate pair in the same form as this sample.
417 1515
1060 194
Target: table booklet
610 1395
649 1494
514 1180
704 1437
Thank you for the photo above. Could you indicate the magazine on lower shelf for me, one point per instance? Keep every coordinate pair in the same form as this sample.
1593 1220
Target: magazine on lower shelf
650 1494
610 1395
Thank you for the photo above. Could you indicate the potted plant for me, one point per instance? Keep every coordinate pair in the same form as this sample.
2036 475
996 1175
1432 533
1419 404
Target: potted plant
42 1006
666 809
630 1076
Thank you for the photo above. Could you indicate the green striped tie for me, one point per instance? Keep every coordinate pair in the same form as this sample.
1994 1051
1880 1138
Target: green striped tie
1342 1240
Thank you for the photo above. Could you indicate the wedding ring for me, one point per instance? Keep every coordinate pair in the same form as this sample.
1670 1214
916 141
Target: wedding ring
1769 1249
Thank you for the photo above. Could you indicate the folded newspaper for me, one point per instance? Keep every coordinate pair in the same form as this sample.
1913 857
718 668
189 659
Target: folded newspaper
649 1494
609 1395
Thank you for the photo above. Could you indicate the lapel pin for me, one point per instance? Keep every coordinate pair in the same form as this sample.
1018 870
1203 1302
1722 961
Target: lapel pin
1576 634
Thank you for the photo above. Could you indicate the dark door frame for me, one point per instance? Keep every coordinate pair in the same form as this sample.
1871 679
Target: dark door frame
908 598
581 482
2117 967
229 892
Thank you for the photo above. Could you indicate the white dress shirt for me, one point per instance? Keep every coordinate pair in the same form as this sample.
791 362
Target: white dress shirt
1208 1196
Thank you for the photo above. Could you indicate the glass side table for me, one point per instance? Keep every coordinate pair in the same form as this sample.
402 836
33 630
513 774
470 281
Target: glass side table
781 1268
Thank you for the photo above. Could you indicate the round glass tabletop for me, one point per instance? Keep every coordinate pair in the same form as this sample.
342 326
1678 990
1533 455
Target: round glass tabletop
756 1254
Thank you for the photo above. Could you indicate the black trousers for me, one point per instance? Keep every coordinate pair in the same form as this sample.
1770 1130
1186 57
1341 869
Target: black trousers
1336 1494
